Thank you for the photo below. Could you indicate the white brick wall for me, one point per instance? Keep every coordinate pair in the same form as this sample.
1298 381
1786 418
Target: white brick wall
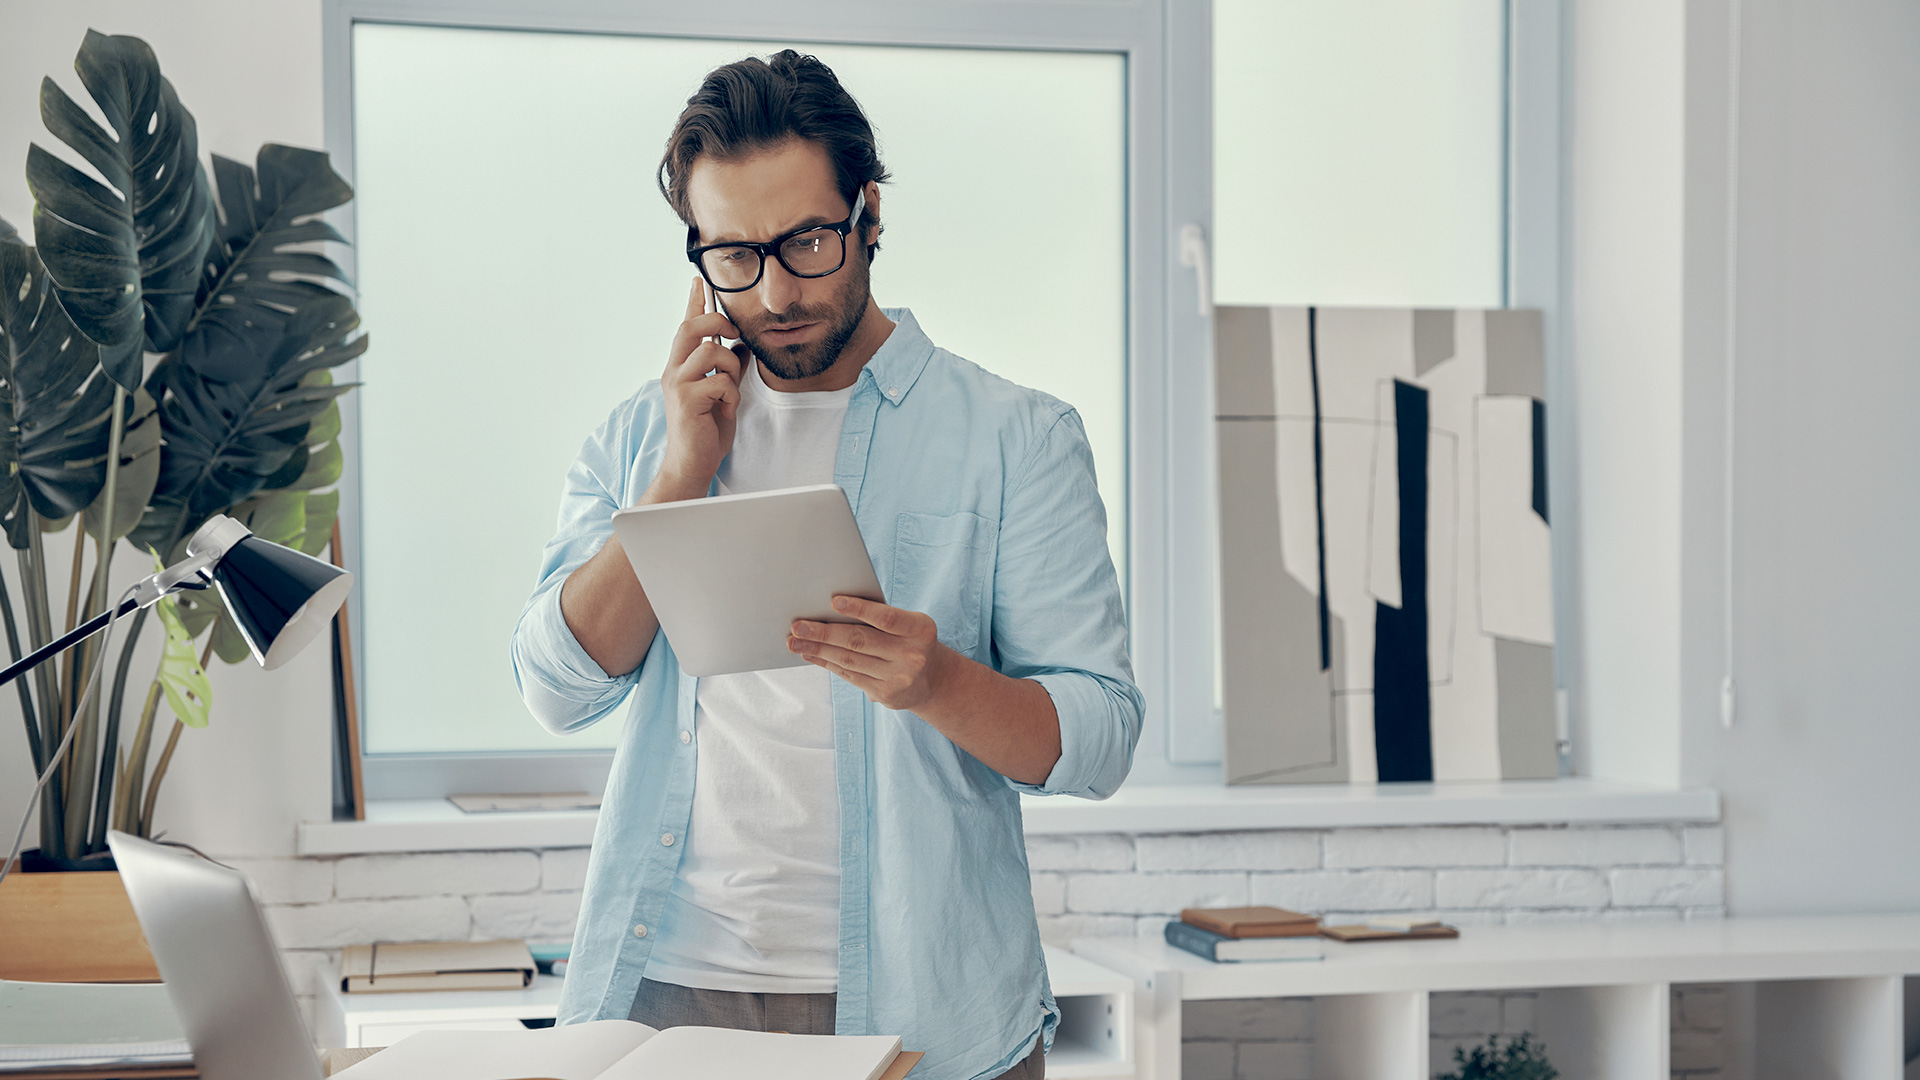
1475 876
1110 884
315 907
1471 876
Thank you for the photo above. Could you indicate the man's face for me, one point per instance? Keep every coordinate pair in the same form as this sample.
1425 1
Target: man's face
795 326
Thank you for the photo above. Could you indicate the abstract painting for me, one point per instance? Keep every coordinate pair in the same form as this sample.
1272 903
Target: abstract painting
1387 599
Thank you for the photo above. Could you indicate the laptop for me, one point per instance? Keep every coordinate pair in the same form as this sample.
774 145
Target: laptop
220 966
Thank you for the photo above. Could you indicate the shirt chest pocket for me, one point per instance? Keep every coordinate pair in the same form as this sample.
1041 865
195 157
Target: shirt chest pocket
943 566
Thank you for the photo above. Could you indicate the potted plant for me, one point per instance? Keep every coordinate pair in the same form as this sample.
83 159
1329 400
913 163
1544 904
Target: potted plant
1519 1059
165 355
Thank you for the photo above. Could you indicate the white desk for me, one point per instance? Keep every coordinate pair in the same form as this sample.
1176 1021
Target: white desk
1095 1038
1827 992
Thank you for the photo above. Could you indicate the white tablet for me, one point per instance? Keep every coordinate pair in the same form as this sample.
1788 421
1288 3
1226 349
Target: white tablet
727 575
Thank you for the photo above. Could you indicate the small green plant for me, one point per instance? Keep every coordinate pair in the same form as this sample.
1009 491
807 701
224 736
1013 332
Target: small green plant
1520 1059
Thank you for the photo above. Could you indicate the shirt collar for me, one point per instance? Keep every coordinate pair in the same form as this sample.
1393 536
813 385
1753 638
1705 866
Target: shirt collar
897 364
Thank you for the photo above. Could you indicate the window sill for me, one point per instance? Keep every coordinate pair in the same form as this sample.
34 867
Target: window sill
1209 808
400 825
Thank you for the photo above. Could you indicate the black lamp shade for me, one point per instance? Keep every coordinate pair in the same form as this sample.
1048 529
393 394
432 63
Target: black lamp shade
281 598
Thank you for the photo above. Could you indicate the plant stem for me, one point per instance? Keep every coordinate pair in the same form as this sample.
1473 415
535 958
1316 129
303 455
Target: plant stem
125 665
52 725
66 676
119 808
173 737
73 583
82 798
137 759
159 774
78 767
26 699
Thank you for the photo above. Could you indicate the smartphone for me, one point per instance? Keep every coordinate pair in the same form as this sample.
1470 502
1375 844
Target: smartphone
713 305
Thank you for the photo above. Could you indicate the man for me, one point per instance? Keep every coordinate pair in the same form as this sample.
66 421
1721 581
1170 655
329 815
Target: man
834 847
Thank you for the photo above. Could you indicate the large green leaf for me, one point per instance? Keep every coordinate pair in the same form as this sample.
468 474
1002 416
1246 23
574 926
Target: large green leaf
189 692
125 256
226 439
54 404
257 273
322 508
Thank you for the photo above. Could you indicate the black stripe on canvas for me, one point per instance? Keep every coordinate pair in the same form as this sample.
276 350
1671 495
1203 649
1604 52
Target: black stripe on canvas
1402 693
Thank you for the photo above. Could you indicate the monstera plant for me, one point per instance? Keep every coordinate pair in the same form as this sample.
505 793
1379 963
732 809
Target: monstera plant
166 354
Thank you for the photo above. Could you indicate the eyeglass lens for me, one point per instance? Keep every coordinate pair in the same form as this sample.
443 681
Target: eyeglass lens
814 253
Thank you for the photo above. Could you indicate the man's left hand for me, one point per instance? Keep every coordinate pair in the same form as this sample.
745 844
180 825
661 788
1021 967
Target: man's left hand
892 655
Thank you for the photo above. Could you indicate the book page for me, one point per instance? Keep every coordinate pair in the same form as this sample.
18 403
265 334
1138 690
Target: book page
726 1054
573 1052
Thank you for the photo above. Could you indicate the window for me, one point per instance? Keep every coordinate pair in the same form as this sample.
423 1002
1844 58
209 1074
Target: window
520 274
1361 158
525 276
1359 152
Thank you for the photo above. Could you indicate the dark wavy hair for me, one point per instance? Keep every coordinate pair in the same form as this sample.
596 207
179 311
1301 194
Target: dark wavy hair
752 105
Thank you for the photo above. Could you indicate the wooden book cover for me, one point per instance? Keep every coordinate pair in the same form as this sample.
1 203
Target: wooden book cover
1252 922
402 967
1361 932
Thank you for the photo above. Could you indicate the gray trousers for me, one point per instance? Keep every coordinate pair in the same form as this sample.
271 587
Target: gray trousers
665 1005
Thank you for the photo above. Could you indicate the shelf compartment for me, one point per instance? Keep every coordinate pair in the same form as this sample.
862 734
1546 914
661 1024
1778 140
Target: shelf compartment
1828 1029
1095 1036
1371 1036
1605 1032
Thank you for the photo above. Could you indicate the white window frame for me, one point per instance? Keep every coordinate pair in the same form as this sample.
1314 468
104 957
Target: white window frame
1530 277
1167 47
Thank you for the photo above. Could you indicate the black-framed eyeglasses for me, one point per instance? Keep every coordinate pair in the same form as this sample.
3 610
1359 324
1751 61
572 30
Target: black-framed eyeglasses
812 252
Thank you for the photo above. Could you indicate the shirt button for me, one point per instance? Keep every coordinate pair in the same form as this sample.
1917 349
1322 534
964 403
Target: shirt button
640 930
893 391
667 839
686 736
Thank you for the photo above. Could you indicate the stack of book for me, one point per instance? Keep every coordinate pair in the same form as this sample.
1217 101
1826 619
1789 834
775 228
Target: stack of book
1247 933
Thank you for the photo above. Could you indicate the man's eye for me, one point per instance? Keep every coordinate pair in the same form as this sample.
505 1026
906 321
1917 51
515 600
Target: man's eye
733 255
805 242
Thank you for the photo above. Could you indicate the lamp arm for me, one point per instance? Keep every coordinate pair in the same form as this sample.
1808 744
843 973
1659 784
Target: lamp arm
189 573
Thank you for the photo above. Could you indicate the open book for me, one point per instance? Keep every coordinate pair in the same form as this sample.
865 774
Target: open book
624 1050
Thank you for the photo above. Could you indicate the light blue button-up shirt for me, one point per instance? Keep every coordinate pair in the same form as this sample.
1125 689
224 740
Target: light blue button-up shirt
976 499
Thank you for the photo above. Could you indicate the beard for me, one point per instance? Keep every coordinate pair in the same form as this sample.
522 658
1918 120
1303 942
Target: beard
807 359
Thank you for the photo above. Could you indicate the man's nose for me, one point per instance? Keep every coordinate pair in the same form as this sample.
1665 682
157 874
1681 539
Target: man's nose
779 290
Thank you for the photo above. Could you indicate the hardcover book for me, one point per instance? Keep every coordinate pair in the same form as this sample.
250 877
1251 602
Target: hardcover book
1252 922
1222 949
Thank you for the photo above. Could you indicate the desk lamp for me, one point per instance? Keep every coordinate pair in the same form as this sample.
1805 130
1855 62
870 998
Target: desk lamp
280 600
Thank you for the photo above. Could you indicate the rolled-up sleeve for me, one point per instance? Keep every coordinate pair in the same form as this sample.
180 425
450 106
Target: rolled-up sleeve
562 686
1057 613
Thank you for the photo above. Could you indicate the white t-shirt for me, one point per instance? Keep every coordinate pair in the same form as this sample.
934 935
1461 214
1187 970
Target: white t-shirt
756 906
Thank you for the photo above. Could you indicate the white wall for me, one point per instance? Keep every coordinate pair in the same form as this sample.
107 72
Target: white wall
1817 770
250 72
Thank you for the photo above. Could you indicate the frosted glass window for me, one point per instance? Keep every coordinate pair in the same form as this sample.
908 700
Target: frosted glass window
521 275
1359 152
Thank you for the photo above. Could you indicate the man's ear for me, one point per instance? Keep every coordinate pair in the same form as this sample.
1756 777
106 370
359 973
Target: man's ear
870 237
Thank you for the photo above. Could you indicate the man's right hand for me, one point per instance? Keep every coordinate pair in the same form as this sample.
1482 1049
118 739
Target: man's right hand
602 601
702 388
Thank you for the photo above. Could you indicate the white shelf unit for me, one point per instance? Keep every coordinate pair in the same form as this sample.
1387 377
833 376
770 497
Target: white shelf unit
347 1020
1095 1038
1826 993
1094 1041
